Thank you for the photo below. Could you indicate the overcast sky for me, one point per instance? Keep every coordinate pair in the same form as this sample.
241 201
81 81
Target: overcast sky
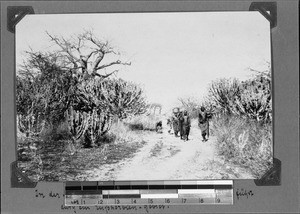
173 54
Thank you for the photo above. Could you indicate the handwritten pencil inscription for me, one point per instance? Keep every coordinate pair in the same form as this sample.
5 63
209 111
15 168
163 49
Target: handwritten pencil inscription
51 194
243 193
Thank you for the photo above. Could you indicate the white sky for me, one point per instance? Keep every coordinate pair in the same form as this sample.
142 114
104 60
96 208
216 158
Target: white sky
173 54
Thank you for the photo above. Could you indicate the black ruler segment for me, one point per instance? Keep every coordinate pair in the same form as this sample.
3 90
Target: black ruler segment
106 187
140 187
189 186
205 187
173 186
122 196
73 187
156 187
89 187
123 187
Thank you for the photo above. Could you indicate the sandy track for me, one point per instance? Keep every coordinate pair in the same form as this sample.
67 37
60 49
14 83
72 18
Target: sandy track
166 157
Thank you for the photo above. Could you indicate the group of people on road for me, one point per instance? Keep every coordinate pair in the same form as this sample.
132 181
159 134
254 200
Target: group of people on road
180 124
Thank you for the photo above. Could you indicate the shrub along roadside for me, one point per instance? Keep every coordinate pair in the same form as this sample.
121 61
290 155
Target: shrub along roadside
244 142
55 161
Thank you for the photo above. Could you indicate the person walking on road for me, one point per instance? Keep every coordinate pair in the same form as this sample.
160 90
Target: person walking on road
175 124
203 123
186 125
180 122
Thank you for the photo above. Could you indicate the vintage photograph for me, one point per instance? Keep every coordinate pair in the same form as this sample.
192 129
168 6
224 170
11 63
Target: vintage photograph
144 96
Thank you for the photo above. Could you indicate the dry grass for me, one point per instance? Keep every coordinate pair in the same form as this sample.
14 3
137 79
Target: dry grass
244 142
156 150
53 161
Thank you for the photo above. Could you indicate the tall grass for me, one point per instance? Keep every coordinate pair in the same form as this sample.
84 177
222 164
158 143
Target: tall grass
244 142
121 133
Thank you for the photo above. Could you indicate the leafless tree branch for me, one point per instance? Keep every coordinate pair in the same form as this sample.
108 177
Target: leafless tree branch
106 75
118 62
86 58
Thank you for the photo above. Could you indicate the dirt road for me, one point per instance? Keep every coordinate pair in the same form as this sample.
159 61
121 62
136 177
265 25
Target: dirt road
166 157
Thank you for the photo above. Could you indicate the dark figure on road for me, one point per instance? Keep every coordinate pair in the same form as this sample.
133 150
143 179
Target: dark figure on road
186 125
203 123
159 127
170 125
180 122
175 123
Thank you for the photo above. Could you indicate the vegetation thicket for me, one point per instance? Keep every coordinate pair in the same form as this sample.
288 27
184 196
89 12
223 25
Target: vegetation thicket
67 86
72 96
242 119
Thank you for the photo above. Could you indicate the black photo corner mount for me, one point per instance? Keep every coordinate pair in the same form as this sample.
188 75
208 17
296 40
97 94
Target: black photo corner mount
267 9
19 179
15 14
272 177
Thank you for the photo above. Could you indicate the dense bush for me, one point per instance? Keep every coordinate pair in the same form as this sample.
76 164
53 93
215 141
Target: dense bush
53 96
249 99
120 98
190 104
254 101
99 103
124 98
222 93
193 105
42 91
242 120
88 126
70 84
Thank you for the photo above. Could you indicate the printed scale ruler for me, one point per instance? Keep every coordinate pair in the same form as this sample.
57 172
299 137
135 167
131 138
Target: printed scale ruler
97 193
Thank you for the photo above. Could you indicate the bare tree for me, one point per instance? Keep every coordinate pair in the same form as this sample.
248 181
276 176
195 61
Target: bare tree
84 55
